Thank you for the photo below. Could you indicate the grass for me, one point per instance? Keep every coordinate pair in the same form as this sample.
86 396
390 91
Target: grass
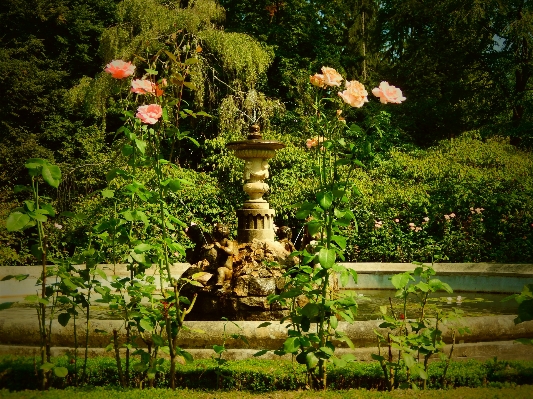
519 392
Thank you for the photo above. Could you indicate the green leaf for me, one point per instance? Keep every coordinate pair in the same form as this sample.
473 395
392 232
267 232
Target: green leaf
63 319
326 350
422 373
327 257
400 280
171 56
158 340
348 357
35 163
143 247
174 185
311 360
150 71
260 353
6 305
146 325
291 345
141 145
31 298
422 286
313 227
51 174
191 86
18 277
340 240
191 61
218 349
186 355
49 209
16 221
107 193
325 199
265 324
310 310
338 362
127 150
333 322
47 366
68 282
19 188
410 362
60 372
377 357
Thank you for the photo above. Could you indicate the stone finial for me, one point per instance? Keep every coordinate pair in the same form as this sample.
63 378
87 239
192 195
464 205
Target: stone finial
254 132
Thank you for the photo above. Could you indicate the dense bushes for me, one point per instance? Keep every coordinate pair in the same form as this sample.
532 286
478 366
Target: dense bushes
471 198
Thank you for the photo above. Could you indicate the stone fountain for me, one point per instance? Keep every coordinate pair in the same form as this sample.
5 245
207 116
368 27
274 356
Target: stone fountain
238 276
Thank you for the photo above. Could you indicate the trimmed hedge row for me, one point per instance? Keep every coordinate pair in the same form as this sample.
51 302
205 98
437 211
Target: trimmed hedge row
20 373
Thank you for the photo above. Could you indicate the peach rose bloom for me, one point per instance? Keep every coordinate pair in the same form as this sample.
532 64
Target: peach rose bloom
388 93
142 86
120 69
149 114
331 77
310 143
355 94
315 141
317 80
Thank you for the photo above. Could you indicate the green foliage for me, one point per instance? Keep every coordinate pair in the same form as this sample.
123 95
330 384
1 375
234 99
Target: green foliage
486 185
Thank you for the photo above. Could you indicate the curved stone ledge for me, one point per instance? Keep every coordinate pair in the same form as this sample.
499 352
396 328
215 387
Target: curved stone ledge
205 334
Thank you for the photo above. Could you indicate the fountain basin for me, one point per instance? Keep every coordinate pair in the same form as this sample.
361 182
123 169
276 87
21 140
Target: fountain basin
491 335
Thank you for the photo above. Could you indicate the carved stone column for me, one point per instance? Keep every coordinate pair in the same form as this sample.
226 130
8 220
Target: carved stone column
255 219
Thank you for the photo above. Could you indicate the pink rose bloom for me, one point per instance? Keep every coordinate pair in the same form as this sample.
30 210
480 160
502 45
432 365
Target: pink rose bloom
149 114
120 69
142 86
388 93
355 94
317 80
331 77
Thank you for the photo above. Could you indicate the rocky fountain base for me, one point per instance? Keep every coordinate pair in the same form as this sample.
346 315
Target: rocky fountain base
258 269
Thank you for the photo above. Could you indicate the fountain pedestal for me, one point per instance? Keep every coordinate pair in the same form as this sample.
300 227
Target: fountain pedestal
255 219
